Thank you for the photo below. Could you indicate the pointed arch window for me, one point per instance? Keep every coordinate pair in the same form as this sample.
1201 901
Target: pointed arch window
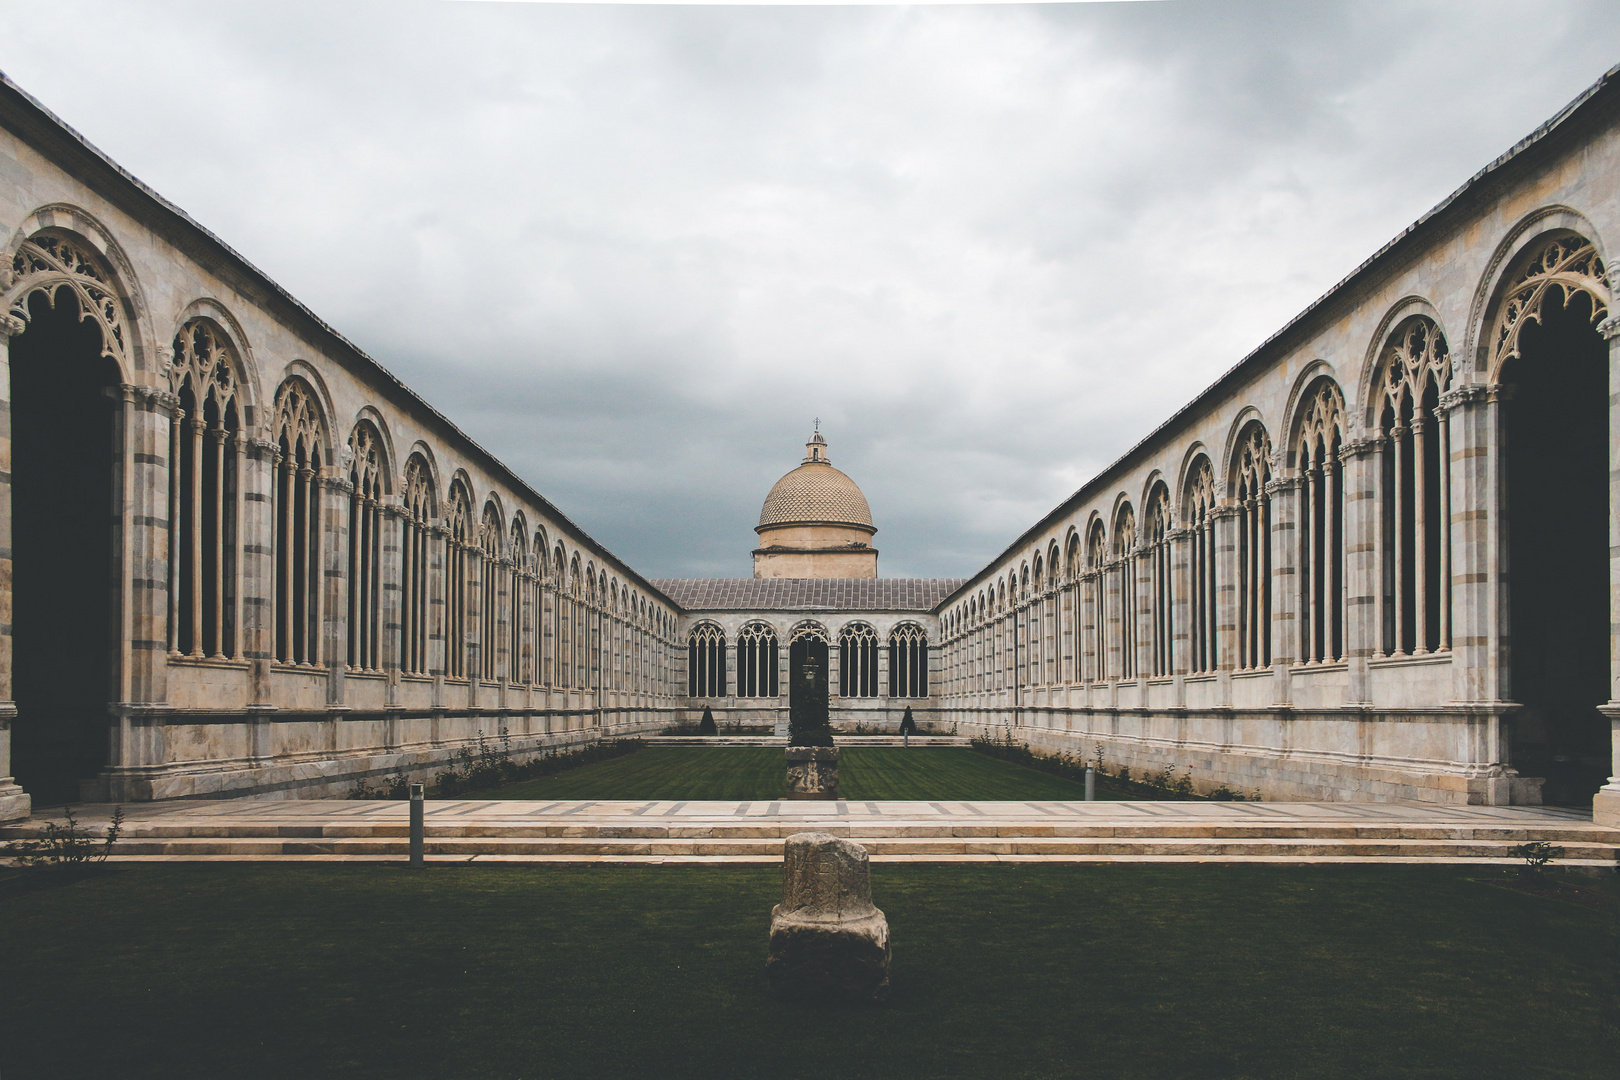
1252 466
1198 511
1414 554
1321 526
521 608
756 661
300 433
489 593
458 552
706 662
205 456
1160 582
1125 582
908 661
857 661
1096 649
366 471
421 507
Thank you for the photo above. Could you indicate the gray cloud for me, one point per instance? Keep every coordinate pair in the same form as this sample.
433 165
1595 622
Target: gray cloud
633 250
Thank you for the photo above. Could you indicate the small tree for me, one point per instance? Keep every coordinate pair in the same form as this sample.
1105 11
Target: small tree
908 726
706 725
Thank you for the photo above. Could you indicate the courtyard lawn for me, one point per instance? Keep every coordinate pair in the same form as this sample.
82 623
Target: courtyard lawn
924 773
1000 971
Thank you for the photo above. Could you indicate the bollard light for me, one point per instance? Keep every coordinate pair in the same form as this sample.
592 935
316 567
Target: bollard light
418 801
1091 784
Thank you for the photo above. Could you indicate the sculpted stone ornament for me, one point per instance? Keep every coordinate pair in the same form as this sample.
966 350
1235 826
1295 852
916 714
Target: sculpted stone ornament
827 940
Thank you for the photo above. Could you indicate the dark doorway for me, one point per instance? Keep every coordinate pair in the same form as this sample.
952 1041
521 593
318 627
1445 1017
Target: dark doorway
62 546
1558 557
799 651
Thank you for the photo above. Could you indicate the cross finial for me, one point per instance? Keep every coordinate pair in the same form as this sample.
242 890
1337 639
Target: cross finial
818 423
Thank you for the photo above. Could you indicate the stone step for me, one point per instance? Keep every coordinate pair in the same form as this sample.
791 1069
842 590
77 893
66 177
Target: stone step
1599 866
770 848
755 829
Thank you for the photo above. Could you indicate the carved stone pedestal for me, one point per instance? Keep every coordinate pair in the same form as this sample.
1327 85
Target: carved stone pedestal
827 940
812 772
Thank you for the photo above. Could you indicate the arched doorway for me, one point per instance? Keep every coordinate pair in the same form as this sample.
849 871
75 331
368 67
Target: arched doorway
1557 452
807 667
64 568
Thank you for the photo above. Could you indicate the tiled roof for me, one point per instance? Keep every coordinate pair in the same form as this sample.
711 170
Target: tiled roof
807 594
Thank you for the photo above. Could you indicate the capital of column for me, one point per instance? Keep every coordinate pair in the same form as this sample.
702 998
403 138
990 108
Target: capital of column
1356 448
11 325
1281 484
1462 395
1609 328
1222 511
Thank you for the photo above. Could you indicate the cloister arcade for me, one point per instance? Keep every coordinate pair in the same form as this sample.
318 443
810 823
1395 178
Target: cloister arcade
1372 561
1408 597
225 579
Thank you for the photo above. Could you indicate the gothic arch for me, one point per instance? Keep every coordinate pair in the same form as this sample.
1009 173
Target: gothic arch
1368 383
1236 433
225 324
385 445
311 376
97 270
1510 259
1298 405
370 458
1155 480
422 453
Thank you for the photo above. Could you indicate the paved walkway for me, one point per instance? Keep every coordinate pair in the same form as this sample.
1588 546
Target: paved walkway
752 832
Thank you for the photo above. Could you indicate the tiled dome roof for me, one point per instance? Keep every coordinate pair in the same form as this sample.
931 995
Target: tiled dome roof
815 492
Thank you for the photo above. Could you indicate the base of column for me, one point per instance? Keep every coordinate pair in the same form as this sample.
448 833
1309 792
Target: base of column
1606 804
15 803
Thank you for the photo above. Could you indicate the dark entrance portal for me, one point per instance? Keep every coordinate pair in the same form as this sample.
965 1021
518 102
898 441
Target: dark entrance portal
62 546
807 697
1558 556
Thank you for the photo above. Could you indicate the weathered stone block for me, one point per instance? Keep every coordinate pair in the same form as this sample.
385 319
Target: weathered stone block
827 940
812 772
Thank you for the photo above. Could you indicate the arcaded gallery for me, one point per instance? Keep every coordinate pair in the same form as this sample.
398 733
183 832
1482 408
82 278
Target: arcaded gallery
1372 561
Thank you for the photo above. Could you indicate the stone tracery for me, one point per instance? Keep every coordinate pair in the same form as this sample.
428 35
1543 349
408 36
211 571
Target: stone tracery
1567 263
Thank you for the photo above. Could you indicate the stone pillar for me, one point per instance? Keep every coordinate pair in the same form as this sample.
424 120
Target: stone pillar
1286 642
1180 609
1480 637
14 802
1224 529
334 492
1606 804
1363 569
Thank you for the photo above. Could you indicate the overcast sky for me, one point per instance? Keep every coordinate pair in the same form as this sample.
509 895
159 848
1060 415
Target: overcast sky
635 250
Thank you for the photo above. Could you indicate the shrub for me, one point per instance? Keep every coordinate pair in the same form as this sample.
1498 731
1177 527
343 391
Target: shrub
706 725
67 845
1536 855
908 726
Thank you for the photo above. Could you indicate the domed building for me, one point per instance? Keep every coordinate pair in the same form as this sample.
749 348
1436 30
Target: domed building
815 523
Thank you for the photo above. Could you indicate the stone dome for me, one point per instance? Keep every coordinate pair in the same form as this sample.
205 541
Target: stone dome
815 494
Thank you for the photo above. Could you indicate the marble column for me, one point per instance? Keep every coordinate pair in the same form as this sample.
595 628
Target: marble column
1606 805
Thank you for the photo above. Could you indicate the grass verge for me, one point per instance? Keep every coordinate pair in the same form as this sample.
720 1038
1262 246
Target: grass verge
631 971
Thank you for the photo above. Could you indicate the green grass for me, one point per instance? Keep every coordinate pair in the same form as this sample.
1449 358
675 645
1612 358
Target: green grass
1025 971
924 773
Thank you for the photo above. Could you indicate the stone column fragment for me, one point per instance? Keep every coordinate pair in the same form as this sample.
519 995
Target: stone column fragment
827 940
